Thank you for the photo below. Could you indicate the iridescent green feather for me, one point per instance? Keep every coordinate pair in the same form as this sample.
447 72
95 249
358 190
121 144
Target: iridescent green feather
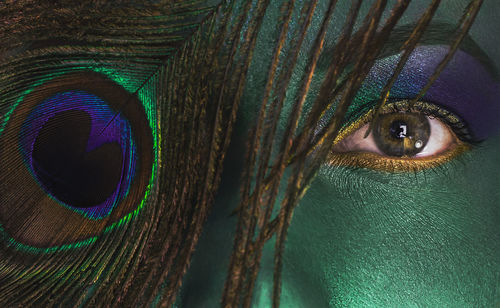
175 57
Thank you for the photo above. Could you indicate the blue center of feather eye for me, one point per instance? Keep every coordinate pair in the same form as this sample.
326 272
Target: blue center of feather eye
81 152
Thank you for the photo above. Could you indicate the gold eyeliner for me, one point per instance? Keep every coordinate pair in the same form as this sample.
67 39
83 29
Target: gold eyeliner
395 164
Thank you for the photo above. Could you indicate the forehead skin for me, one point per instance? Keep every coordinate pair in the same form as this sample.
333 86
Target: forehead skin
366 238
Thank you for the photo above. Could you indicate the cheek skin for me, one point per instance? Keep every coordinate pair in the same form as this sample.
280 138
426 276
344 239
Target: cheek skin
362 237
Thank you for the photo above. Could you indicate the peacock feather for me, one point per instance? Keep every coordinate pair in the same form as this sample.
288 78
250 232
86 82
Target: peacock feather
115 120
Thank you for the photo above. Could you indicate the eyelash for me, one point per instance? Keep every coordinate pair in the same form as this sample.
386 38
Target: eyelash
396 164
431 110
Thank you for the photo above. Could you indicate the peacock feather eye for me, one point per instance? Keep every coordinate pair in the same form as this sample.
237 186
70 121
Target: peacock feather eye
78 152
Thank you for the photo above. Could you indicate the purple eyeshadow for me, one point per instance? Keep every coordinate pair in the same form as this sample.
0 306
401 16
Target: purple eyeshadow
464 88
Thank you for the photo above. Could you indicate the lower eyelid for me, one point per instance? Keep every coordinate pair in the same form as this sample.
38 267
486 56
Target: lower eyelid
378 162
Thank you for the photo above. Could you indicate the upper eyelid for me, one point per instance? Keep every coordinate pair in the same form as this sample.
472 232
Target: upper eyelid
465 87
437 35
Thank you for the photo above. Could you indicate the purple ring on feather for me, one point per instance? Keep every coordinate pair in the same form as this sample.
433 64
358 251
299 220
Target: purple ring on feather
80 151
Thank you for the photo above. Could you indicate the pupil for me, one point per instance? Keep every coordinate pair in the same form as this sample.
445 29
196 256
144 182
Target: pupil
398 129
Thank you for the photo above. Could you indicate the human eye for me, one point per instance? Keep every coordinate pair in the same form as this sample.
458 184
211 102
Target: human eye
456 114
401 138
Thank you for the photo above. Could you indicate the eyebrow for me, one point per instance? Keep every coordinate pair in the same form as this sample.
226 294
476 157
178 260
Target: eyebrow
435 34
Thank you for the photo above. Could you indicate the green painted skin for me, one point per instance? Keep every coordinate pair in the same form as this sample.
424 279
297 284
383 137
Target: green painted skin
366 238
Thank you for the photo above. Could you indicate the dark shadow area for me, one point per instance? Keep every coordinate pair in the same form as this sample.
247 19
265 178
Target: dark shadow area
61 163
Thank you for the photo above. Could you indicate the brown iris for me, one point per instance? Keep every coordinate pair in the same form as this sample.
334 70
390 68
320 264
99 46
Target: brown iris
401 134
